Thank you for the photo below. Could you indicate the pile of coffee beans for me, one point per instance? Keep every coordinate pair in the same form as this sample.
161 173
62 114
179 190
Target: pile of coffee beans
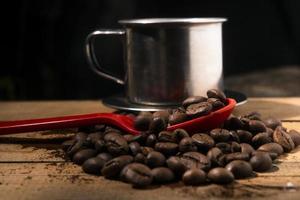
242 146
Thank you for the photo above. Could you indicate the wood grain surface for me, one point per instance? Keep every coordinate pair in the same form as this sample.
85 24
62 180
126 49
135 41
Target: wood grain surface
32 165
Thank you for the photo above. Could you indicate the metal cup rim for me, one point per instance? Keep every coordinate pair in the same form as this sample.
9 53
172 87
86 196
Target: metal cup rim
173 21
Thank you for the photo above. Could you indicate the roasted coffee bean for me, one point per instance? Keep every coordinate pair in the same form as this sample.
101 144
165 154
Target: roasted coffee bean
261 162
113 167
236 156
270 132
253 116
195 160
140 158
142 121
162 175
93 165
233 136
246 148
155 159
272 155
224 147
179 134
235 147
244 136
284 139
194 177
295 135
240 169
134 148
137 174
193 100
271 147
162 114
187 144
203 141
256 126
128 137
109 129
93 137
176 165
80 136
166 148
141 138
198 109
213 93
220 135
67 144
83 155
75 147
272 122
216 157
157 125
99 145
177 116
234 123
151 140
105 156
216 103
146 150
260 139
116 144
166 136
220 175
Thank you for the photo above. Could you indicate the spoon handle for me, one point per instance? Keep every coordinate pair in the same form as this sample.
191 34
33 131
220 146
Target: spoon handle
11 127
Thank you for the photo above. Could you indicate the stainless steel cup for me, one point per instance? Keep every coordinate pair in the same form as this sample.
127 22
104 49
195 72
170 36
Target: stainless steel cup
167 59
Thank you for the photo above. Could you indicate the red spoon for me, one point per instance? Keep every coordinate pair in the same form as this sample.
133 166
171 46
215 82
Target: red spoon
213 120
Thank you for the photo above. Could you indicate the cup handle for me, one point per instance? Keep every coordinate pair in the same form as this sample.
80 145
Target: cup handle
91 56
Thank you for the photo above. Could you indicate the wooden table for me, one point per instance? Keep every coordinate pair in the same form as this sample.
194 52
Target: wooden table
32 167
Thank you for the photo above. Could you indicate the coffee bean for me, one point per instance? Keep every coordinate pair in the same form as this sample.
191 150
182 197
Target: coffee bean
233 136
234 123
240 169
141 138
224 147
193 100
216 157
235 147
216 103
236 156
177 116
295 135
176 165
261 162
137 174
140 158
195 160
155 159
246 148
203 141
112 168
146 150
270 132
151 140
83 155
165 114
100 145
260 139
109 129
220 135
271 147
134 148
213 93
244 136
93 165
272 155
254 115
284 139
80 136
116 144
220 175
93 137
199 109
194 177
256 126
162 175
105 156
272 122
157 125
142 122
179 134
128 137
166 148
166 136
187 144
67 144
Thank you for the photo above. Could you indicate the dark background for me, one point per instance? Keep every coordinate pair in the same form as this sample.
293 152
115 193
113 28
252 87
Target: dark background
45 45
